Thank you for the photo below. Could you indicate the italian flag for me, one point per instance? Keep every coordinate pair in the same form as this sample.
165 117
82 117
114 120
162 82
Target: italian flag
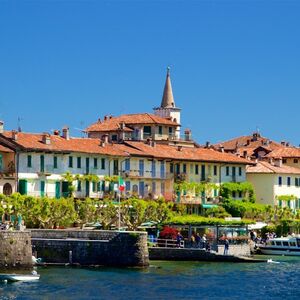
121 184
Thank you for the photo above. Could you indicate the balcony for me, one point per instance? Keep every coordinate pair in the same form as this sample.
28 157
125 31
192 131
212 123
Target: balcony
46 171
8 172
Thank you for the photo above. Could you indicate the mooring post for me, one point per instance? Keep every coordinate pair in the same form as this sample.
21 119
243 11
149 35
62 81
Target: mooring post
70 257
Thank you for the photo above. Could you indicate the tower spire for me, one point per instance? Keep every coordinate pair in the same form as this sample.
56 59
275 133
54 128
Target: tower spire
167 99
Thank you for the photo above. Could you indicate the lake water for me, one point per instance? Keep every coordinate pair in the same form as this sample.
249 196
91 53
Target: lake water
165 280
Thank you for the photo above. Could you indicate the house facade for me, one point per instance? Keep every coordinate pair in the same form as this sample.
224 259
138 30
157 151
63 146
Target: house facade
275 184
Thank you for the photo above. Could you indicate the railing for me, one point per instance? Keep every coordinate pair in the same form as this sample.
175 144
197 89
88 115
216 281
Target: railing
8 172
165 243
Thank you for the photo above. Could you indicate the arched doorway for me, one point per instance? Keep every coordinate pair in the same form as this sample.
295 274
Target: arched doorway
7 189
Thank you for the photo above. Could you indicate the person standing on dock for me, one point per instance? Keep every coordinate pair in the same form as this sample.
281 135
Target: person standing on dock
226 247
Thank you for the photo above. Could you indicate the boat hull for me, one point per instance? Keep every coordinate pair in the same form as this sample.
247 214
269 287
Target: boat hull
17 277
287 252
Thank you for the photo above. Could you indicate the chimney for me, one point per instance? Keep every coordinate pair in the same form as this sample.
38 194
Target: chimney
105 118
282 143
148 141
56 132
188 134
221 148
1 126
110 117
207 145
248 143
46 138
245 153
14 135
287 144
122 125
153 144
278 162
179 148
66 133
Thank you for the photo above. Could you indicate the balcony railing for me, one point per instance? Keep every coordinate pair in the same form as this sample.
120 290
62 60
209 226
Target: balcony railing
8 172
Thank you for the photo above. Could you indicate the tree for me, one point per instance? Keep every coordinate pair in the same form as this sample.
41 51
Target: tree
107 214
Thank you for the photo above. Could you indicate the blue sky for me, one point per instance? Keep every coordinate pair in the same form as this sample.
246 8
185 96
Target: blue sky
235 65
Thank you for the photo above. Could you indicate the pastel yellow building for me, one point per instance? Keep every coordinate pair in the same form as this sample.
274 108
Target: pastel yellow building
274 179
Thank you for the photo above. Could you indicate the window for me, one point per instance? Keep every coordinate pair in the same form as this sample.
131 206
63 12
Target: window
288 181
127 186
114 137
280 180
284 161
227 171
78 162
94 187
295 161
203 173
196 169
127 164
160 130
284 243
233 194
240 194
102 163
55 162
78 186
184 168
215 170
171 168
29 161
95 163
296 182
278 243
42 163
147 131
70 161
240 171
170 130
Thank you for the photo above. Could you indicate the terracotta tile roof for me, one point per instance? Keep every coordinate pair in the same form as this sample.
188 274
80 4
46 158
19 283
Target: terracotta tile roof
33 141
187 153
265 167
248 141
285 152
5 149
113 123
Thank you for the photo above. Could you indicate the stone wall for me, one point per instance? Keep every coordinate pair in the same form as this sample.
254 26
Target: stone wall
15 249
238 250
91 247
191 254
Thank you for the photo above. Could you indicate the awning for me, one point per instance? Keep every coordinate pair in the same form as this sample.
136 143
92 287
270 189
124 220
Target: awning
209 205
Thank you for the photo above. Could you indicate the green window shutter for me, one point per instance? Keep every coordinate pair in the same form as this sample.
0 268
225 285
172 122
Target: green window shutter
23 187
42 188
98 186
94 187
78 162
42 163
1 163
103 186
29 161
95 163
78 186
57 189
55 162
70 161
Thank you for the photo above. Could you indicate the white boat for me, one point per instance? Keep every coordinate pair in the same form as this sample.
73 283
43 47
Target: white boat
19 277
281 246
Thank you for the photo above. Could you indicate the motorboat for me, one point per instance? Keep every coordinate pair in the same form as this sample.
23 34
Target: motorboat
281 246
19 277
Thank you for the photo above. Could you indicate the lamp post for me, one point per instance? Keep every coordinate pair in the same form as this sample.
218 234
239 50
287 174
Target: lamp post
119 195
